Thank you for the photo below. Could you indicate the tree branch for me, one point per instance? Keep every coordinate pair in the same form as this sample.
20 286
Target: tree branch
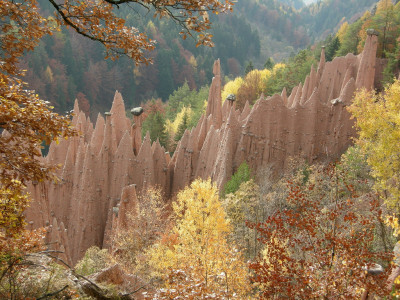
68 22
54 293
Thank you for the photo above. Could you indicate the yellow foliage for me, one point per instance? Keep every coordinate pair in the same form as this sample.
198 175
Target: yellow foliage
342 31
232 87
151 28
264 74
254 84
172 127
201 246
49 74
362 34
12 205
193 62
393 222
145 224
384 5
274 242
277 67
378 120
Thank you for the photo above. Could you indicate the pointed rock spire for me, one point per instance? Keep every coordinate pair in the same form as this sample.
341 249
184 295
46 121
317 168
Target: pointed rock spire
214 105
321 64
119 121
284 96
366 70
75 112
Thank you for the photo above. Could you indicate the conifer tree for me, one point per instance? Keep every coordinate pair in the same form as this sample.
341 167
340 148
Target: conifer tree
332 48
269 64
249 67
155 125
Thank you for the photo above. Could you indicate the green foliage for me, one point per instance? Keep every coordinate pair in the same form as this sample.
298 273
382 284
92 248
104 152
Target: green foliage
269 64
94 260
326 15
351 39
392 67
354 165
234 37
249 67
242 174
242 206
155 126
385 20
332 47
184 97
296 70
165 79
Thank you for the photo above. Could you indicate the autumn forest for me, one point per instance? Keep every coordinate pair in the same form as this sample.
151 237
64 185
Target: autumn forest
217 149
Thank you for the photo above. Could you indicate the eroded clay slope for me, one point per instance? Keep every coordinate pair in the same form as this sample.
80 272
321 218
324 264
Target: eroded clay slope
104 168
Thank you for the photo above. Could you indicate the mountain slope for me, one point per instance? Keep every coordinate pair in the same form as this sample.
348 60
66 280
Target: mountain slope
65 66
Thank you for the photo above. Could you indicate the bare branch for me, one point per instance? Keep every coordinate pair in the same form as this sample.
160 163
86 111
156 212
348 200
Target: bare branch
48 295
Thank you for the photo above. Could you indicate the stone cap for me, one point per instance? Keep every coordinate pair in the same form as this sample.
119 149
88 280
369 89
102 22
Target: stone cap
137 111
371 31
231 97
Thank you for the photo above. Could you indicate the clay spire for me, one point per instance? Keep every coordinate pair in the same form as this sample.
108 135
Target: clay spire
214 106
75 112
366 70
284 96
321 64
120 124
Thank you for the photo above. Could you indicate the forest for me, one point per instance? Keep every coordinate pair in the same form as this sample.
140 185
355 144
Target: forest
324 230
66 66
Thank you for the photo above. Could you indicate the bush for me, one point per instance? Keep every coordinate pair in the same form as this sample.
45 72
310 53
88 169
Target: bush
241 175
95 259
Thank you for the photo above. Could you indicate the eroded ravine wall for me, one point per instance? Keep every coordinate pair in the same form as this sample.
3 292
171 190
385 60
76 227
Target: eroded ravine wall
107 165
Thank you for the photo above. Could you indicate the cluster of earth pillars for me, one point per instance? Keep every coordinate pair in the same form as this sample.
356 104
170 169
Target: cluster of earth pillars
108 164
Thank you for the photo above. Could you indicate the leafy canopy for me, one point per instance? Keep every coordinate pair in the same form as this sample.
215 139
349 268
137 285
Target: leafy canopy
320 245
195 257
379 134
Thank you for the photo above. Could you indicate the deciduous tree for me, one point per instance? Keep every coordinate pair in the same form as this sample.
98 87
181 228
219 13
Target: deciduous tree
379 131
197 258
320 245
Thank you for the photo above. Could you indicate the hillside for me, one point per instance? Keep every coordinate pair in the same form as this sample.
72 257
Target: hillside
65 66
109 170
271 180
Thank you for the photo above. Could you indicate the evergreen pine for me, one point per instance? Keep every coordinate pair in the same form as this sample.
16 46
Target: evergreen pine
155 125
249 67
269 64
332 48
